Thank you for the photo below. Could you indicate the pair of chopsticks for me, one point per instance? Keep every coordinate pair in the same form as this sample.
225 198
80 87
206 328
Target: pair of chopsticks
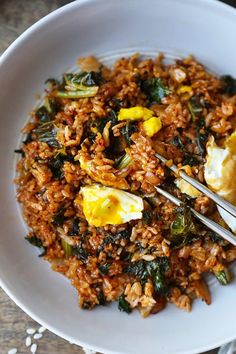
226 234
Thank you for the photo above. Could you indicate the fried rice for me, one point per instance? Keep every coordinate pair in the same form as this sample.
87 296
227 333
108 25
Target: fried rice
75 140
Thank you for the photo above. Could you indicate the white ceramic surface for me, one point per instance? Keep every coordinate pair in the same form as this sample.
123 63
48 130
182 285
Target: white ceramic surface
206 28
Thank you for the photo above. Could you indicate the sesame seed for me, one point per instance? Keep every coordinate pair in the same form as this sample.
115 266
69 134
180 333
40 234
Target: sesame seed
30 330
38 336
41 329
28 341
12 351
33 348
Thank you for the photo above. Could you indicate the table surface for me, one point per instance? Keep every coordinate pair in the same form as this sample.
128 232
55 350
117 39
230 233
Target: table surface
15 17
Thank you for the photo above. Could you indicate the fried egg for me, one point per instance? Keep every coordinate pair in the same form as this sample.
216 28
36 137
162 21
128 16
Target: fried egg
219 171
109 206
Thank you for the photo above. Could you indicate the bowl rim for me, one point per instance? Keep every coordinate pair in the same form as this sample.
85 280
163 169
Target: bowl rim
210 4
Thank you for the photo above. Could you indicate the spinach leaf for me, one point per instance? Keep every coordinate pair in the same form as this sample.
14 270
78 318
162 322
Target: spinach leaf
101 122
35 241
123 305
147 216
46 132
228 85
155 89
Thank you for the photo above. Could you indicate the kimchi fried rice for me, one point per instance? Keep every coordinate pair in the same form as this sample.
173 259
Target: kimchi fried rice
87 171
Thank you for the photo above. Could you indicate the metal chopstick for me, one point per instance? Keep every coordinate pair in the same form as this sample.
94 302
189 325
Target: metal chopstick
218 200
226 234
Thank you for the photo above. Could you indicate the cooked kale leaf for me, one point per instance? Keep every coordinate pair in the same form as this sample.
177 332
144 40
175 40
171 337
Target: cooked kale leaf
123 305
155 89
154 269
46 132
35 241
228 85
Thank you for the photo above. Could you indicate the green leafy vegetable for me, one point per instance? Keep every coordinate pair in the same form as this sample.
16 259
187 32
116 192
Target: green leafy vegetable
56 164
228 85
147 216
155 270
123 305
101 298
112 238
89 92
74 231
104 268
129 129
35 241
91 78
176 141
100 123
183 227
79 251
123 162
46 132
190 160
202 136
67 248
224 276
155 89
43 114
59 218
195 107
20 151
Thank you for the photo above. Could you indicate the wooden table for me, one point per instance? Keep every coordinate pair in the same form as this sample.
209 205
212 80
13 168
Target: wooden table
15 17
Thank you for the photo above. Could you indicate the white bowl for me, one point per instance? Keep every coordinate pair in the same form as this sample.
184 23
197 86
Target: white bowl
205 28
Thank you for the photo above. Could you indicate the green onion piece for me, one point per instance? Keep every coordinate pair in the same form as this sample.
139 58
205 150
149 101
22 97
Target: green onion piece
124 162
66 248
224 276
89 92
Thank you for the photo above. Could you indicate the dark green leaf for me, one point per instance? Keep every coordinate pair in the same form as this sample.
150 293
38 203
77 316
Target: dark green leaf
46 133
112 238
123 305
182 227
104 268
195 107
155 89
202 136
228 85
92 78
56 164
59 218
74 231
101 298
176 141
35 241
155 270
190 160
147 216
129 129
20 151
